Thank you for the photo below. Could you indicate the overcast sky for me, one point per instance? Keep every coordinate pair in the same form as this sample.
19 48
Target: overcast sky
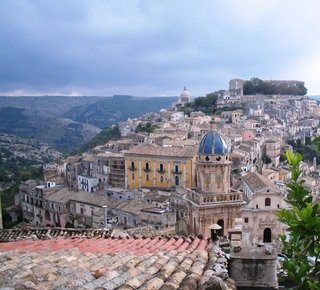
155 48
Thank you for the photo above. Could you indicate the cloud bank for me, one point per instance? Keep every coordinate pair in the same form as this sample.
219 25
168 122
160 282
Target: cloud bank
153 48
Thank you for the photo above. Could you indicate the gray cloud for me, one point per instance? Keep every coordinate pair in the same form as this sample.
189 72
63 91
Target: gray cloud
154 47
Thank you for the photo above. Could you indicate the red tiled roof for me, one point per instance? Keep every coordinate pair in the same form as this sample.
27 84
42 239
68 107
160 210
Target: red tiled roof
109 245
67 260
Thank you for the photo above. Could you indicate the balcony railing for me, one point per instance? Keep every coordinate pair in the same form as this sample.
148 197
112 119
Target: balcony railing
146 169
132 168
176 171
161 171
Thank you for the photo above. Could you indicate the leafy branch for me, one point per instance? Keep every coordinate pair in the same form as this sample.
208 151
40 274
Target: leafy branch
302 245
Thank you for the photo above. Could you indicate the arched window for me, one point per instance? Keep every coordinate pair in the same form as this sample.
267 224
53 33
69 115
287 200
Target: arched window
267 235
267 202
147 177
47 216
132 165
132 175
147 166
221 224
176 180
161 167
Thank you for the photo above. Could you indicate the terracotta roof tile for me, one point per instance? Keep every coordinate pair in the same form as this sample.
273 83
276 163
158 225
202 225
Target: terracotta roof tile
161 262
163 151
257 182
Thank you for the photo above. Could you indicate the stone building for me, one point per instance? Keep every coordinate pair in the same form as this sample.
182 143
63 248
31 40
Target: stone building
264 198
154 166
73 168
212 200
273 150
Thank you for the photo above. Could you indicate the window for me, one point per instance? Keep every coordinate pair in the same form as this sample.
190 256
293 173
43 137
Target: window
161 178
81 210
161 167
267 202
147 166
246 220
132 175
176 180
132 165
147 177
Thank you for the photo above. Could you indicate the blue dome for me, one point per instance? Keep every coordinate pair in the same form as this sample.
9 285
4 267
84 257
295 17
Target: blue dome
213 143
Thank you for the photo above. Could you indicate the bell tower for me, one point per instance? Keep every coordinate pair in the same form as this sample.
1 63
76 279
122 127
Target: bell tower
213 165
217 202
213 201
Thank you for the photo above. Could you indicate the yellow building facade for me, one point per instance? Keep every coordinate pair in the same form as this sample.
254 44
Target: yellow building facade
154 166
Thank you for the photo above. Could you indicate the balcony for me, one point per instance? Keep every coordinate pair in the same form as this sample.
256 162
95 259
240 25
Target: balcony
161 171
146 169
132 168
176 172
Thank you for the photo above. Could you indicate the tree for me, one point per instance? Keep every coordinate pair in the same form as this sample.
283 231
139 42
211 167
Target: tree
302 245
257 86
266 159
248 88
308 140
148 128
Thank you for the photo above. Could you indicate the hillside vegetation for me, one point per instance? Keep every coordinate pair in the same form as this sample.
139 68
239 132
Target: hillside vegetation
106 135
110 111
21 159
67 123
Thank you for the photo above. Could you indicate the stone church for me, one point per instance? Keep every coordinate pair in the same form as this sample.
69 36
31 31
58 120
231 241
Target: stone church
212 200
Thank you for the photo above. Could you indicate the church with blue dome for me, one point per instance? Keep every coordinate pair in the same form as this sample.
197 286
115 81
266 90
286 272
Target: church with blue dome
213 200
213 164
213 143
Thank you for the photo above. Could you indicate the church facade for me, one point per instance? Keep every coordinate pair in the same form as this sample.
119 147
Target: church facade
212 200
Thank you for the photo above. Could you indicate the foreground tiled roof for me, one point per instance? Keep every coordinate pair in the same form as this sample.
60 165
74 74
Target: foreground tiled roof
38 260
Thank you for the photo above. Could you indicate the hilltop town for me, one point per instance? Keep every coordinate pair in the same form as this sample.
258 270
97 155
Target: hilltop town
196 175
163 178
